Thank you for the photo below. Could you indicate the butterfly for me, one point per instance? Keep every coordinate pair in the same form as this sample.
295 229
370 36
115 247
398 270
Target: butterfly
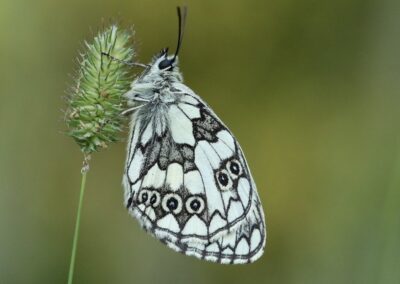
186 179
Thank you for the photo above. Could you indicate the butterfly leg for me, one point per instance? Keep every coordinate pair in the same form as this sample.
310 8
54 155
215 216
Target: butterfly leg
129 63
133 95
125 112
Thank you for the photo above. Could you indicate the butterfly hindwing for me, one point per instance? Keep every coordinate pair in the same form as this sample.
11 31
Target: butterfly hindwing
188 183
243 245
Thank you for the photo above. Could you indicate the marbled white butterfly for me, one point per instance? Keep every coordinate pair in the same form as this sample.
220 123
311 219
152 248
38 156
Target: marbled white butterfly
186 179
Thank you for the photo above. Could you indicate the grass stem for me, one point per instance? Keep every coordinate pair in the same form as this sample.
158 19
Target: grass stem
77 223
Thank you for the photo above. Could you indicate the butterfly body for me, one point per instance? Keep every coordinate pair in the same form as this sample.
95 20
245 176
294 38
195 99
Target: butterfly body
186 179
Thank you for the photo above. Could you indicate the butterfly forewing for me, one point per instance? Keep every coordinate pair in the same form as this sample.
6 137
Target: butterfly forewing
188 183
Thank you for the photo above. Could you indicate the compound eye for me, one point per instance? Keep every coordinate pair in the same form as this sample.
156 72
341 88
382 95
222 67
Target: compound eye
172 203
164 64
195 205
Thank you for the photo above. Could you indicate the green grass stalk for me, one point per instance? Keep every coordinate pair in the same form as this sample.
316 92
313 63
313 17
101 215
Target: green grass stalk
77 224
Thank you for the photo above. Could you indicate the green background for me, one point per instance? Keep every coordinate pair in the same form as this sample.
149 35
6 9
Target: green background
310 89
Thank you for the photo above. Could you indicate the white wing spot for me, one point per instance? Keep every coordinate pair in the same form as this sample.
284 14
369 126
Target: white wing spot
212 258
193 182
213 247
225 136
235 211
195 226
169 222
174 176
181 127
191 111
189 100
135 129
255 239
210 154
154 177
228 240
242 247
211 190
150 213
142 207
148 132
216 223
229 252
222 149
135 166
244 191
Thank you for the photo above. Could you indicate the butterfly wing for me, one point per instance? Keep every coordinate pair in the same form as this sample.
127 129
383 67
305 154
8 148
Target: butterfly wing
188 183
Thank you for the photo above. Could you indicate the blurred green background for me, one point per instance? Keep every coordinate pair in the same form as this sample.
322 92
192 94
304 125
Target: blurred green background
310 89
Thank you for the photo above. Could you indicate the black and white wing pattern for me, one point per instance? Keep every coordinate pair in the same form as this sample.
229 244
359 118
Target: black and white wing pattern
188 183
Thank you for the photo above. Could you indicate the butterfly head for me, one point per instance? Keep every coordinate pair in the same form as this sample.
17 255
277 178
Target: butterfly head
163 62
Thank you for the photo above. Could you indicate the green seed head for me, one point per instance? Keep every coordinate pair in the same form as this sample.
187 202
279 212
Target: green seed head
95 103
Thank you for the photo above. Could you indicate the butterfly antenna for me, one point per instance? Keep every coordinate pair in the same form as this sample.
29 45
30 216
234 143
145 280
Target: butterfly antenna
181 25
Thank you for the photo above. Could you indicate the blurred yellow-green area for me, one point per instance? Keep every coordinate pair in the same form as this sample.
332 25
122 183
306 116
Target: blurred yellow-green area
310 89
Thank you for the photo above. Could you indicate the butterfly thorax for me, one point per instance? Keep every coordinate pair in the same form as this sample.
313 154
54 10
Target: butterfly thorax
154 91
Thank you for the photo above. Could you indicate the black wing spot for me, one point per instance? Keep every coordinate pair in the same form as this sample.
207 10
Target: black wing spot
206 127
129 202
195 205
234 168
223 179
172 203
